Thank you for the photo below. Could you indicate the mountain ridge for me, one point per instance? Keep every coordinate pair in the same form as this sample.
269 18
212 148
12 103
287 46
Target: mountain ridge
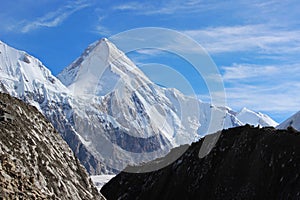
105 103
246 163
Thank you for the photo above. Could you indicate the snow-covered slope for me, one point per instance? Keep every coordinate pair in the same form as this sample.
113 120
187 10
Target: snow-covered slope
139 119
293 121
148 117
135 103
100 180
26 77
255 118
108 111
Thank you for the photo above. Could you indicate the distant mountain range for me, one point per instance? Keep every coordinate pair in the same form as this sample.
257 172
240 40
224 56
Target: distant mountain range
108 111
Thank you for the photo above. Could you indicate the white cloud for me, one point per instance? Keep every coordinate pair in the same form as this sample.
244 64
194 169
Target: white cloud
55 18
248 71
150 52
272 89
129 6
261 41
261 38
100 28
165 7
265 98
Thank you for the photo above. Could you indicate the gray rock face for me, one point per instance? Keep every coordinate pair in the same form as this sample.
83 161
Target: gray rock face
65 126
35 162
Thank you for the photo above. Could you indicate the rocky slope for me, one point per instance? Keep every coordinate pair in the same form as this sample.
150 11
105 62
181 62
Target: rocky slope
35 162
246 163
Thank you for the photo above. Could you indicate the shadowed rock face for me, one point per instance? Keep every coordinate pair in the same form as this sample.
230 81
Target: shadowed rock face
35 162
246 163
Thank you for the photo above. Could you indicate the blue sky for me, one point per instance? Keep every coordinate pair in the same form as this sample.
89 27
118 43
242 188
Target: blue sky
255 44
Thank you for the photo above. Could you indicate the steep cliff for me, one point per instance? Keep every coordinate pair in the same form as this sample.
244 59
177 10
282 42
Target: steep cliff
35 162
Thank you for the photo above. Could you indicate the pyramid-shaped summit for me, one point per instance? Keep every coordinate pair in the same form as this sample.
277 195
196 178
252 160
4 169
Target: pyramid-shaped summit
107 110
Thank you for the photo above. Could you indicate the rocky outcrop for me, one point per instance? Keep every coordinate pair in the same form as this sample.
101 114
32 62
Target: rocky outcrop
246 163
35 162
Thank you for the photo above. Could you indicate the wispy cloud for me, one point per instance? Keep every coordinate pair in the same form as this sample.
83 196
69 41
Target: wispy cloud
271 88
164 7
247 71
262 41
150 52
272 12
129 6
261 38
54 18
99 28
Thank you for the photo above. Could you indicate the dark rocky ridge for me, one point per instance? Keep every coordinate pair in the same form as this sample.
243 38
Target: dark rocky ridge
246 163
35 162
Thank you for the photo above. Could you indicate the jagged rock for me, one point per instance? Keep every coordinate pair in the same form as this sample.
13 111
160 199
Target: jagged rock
35 162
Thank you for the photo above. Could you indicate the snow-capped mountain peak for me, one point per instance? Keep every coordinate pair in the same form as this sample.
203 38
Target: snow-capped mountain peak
293 121
255 118
128 118
99 69
22 74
